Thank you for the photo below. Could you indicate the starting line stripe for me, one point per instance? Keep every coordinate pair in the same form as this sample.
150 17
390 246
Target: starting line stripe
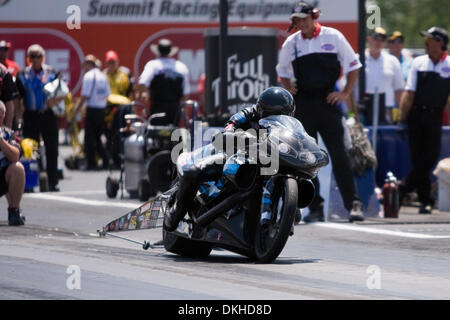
339 226
85 202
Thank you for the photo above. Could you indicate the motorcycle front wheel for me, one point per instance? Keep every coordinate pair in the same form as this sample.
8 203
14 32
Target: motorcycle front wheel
271 239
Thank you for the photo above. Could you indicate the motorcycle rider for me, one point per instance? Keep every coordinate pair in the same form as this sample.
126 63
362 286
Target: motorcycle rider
272 101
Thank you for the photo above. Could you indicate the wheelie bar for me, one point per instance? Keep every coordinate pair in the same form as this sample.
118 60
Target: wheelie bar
145 245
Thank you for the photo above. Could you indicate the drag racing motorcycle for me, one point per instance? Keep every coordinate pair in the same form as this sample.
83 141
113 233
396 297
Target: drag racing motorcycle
227 213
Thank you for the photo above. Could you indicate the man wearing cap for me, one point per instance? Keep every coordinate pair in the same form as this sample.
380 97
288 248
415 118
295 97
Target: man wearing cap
8 94
12 104
383 76
314 56
94 91
38 117
396 48
396 44
120 85
167 80
425 97
12 66
118 79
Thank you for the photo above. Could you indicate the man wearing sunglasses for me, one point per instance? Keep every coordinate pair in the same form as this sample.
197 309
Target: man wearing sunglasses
314 57
421 107
38 117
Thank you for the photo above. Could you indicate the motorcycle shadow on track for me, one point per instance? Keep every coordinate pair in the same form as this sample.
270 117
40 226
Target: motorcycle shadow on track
238 260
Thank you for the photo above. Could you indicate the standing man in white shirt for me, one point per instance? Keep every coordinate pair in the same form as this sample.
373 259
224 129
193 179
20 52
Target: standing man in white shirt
426 95
309 65
164 81
383 75
94 91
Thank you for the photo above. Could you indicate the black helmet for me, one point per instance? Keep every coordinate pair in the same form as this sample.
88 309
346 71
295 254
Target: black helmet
275 100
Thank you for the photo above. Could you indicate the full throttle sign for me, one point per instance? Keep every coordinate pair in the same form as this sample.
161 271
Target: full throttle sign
246 80
251 60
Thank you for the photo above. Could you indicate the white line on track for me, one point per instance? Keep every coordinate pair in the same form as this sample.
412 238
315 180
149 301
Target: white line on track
380 231
81 201
73 193
338 226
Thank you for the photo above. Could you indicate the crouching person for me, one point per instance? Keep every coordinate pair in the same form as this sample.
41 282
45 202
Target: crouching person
12 172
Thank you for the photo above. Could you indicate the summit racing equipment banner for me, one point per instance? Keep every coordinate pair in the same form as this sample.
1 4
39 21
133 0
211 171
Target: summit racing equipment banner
70 29
172 11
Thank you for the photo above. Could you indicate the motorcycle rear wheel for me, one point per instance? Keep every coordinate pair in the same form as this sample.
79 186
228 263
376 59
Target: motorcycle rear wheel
270 240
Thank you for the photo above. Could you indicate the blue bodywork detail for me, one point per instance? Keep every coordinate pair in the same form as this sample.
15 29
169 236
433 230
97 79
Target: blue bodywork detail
210 189
230 169
239 117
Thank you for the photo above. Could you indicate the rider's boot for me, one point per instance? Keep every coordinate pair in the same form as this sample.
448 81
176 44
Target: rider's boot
185 195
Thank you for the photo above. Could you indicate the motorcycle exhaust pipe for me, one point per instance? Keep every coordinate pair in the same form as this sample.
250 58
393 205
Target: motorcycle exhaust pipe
227 204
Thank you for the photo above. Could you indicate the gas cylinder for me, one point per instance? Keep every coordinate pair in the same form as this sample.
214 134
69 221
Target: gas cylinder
390 196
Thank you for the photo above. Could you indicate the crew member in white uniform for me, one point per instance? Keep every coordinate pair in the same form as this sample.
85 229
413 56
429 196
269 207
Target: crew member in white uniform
167 81
309 65
426 95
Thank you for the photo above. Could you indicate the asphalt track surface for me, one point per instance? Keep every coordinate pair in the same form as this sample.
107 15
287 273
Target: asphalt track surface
406 258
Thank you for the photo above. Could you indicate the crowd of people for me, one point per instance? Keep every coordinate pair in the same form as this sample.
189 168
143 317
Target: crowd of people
412 93
316 65
27 110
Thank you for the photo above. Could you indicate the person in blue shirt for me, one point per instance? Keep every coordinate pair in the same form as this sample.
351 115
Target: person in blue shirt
38 116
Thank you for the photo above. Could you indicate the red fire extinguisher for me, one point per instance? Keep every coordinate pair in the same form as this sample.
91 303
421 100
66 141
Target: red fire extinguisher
390 196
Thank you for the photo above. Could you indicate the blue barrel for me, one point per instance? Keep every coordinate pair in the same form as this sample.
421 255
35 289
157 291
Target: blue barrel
31 173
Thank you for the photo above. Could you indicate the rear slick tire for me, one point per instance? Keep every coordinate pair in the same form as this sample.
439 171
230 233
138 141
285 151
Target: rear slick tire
184 247
270 240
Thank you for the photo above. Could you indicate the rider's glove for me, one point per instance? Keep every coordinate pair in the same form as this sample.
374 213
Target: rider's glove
229 127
